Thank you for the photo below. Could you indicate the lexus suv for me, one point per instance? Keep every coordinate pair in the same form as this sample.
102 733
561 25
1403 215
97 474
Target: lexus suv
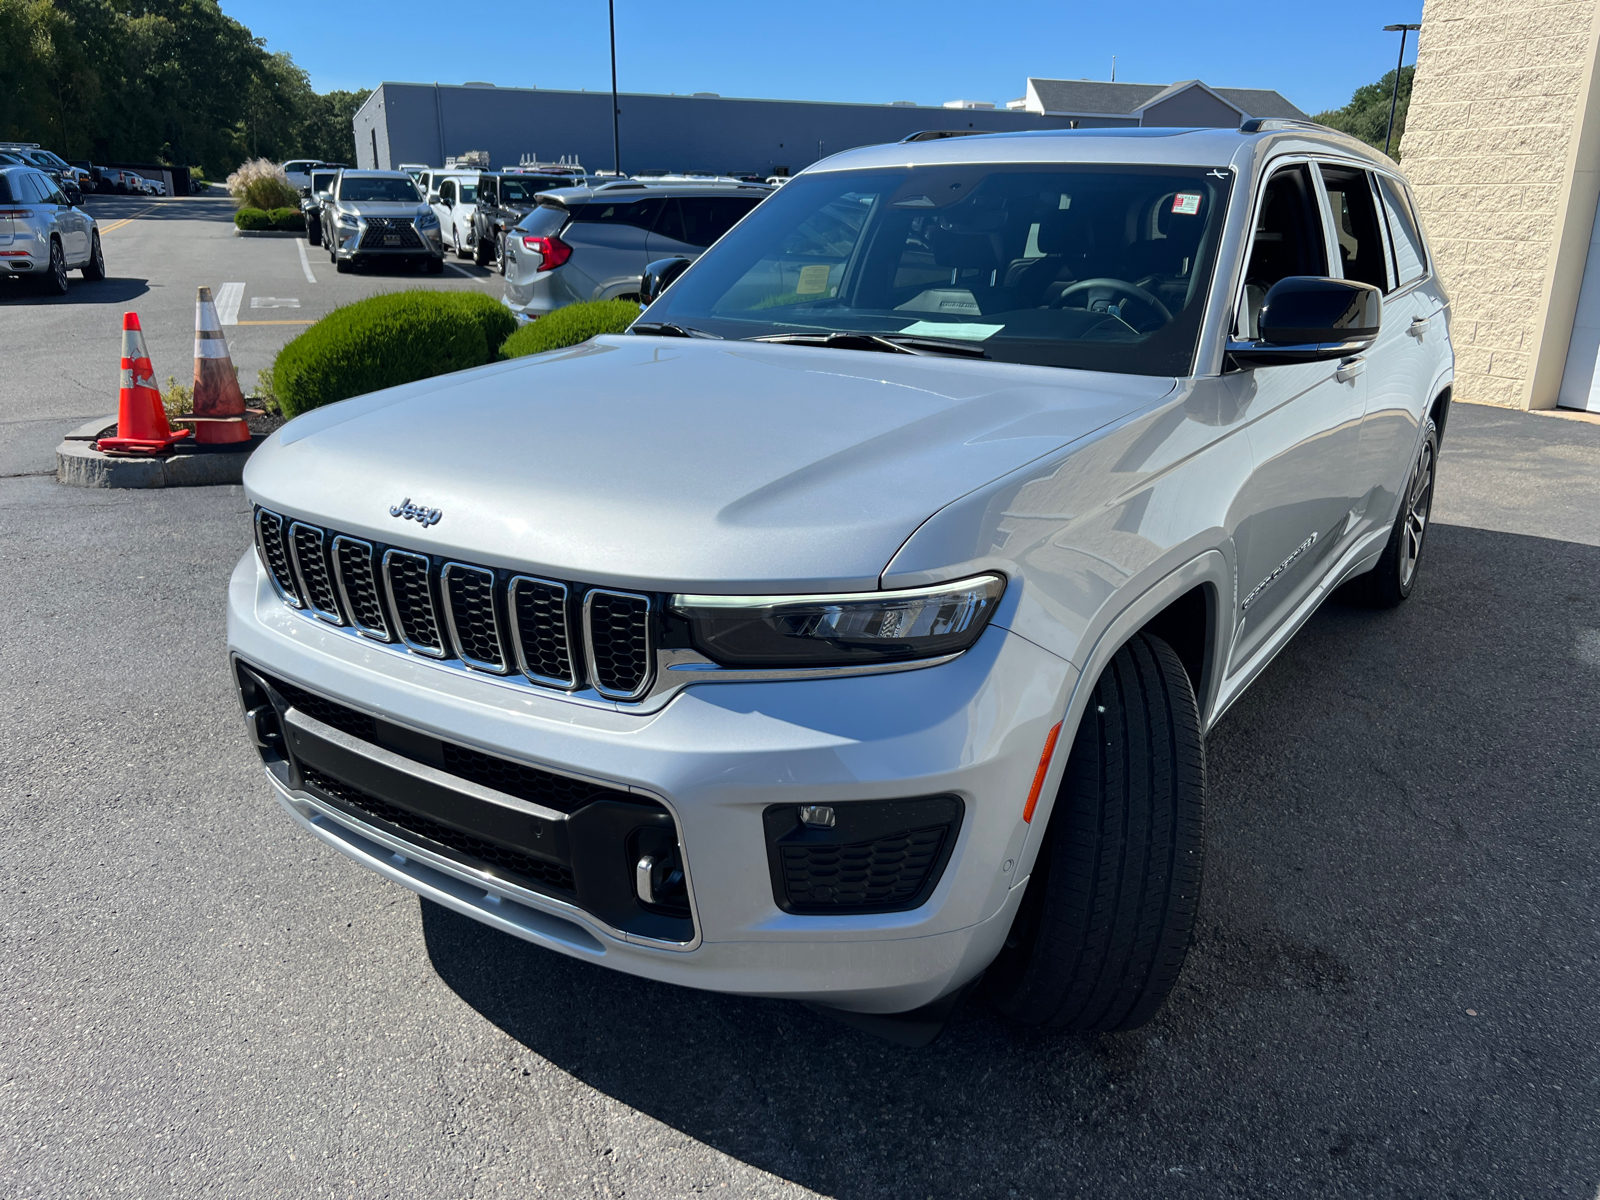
375 215
855 633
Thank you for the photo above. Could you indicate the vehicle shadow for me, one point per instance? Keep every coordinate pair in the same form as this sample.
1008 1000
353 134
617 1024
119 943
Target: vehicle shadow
111 207
1390 990
109 290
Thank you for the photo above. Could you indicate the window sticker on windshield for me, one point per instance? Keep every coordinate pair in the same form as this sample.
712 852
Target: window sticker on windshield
1186 204
813 280
951 329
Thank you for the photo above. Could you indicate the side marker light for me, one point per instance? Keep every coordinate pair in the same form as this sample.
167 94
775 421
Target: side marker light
1038 776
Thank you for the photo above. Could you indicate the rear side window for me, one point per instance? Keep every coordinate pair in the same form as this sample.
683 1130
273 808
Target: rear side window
701 220
5 190
543 221
1410 259
639 213
1355 218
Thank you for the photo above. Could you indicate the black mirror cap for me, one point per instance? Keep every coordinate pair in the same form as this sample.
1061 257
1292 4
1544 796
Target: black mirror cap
658 277
1309 318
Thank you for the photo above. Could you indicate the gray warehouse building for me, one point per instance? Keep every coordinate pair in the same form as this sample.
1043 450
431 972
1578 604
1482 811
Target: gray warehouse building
429 122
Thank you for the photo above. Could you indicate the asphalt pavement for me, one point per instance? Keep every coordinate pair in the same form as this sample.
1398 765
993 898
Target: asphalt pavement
1392 991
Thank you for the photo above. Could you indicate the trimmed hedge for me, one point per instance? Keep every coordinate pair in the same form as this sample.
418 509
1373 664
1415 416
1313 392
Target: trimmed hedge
570 325
252 218
287 218
384 341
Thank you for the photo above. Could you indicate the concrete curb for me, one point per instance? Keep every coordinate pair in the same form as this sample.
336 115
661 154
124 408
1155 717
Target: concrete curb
79 464
277 233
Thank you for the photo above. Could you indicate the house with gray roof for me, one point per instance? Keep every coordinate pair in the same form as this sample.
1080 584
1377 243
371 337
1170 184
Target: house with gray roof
1189 103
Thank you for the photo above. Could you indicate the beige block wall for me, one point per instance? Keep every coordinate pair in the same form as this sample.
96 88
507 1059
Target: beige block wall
1501 147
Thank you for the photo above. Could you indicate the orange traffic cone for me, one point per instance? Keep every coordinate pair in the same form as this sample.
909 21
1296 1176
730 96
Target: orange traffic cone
141 420
218 403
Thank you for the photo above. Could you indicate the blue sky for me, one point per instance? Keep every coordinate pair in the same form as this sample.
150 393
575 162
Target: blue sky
928 51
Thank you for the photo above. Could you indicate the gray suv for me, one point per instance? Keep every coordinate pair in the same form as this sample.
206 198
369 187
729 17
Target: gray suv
594 243
373 215
43 236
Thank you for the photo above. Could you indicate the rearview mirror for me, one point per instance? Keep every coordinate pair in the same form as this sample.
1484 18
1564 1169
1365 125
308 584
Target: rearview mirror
658 277
1307 318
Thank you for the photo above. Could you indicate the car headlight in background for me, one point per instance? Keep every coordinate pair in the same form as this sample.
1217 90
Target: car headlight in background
427 220
851 629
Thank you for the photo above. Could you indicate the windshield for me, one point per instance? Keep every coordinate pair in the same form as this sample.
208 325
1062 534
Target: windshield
322 181
521 189
1098 266
378 187
469 193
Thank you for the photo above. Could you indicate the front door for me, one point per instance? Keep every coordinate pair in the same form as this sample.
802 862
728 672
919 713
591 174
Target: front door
1303 422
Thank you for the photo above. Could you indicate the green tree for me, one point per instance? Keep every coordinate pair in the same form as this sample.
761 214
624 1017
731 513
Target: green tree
1367 114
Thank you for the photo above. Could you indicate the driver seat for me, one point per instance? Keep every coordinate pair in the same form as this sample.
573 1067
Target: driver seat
1068 242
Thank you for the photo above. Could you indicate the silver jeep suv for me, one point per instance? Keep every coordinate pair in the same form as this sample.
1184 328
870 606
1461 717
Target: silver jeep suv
374 215
850 629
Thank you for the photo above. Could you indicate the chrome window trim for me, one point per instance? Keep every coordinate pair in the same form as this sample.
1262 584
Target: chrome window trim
381 635
477 664
332 618
649 679
261 550
566 685
433 606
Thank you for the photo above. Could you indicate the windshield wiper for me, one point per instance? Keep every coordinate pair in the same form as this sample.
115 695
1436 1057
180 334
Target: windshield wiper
668 329
884 343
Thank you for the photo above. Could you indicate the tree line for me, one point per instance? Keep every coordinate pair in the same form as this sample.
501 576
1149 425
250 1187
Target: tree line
171 81
1367 114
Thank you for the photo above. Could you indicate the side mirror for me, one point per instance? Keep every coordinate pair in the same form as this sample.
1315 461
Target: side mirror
1306 318
658 277
433 198
71 192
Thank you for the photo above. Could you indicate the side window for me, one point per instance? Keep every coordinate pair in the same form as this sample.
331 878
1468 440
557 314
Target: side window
486 191
703 219
1287 240
639 213
27 190
447 193
1410 260
1355 218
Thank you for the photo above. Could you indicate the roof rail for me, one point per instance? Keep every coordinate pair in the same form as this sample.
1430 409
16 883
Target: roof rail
1273 124
933 135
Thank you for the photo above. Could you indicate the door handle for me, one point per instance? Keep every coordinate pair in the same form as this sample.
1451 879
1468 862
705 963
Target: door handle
1419 327
1349 369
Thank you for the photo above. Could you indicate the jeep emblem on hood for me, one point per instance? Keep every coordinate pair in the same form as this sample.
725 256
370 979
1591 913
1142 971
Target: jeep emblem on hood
413 512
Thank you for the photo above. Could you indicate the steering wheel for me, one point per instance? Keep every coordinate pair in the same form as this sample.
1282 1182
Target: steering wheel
1109 295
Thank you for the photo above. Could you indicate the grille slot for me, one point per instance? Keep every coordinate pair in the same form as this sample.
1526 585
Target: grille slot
886 872
357 578
411 601
309 547
487 856
470 610
379 228
269 539
541 632
619 643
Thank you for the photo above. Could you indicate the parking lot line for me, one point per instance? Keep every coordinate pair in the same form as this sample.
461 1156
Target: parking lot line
305 263
228 297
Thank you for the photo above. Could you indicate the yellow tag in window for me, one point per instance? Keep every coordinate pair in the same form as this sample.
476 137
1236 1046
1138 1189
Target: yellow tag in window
813 281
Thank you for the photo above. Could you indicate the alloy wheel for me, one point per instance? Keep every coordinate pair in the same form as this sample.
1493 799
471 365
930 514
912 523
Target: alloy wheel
58 267
1419 505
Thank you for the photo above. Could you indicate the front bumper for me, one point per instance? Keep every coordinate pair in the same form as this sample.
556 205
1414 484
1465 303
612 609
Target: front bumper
716 758
352 242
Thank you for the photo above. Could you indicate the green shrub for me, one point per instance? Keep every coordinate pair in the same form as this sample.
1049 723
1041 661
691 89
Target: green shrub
571 325
252 218
287 218
384 341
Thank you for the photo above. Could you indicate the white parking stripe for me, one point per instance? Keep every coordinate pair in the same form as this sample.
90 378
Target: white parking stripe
461 271
305 263
228 297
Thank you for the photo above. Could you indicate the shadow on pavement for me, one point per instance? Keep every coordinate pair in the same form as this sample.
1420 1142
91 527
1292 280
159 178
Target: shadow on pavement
105 209
1401 829
110 290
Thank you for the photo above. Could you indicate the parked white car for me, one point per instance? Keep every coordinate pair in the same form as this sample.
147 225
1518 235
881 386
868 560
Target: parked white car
453 196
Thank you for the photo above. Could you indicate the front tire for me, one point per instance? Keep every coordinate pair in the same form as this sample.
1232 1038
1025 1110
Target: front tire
483 251
1104 927
1389 583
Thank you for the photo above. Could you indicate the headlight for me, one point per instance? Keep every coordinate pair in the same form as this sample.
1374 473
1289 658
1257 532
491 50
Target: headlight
427 220
844 630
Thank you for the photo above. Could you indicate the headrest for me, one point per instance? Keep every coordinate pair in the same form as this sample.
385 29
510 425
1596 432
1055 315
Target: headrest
957 248
1066 233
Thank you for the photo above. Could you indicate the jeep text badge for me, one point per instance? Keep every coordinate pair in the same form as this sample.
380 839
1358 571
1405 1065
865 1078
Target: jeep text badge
414 512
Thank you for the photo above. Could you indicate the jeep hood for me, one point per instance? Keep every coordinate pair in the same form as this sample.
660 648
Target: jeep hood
676 464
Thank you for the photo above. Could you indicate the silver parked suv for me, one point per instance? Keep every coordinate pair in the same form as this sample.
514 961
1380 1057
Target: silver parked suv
850 629
594 243
374 215
43 236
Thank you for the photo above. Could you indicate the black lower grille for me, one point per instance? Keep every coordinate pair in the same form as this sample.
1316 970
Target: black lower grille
316 580
358 581
490 857
411 598
539 621
270 538
887 871
469 593
329 712
619 642
381 229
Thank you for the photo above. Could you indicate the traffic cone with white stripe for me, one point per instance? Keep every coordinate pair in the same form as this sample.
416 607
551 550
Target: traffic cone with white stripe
218 402
141 420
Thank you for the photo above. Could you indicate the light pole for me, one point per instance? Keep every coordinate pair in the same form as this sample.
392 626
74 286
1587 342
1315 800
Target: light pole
616 137
1394 97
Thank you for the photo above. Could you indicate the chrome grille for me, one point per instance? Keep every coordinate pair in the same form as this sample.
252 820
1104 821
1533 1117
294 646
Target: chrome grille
275 555
540 631
481 618
357 577
619 643
308 545
470 609
411 601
